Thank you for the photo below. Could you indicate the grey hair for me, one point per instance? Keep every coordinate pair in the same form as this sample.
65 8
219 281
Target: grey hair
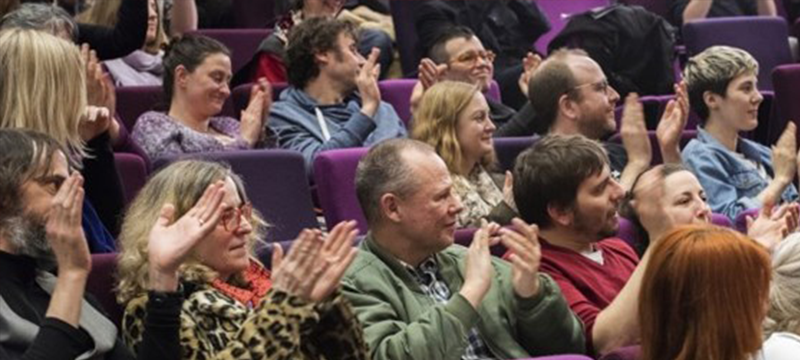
784 291
384 170
45 17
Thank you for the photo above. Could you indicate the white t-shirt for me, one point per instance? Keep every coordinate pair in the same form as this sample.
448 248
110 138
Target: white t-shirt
782 346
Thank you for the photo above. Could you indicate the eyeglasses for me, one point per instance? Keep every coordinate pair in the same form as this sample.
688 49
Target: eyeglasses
601 86
231 220
471 58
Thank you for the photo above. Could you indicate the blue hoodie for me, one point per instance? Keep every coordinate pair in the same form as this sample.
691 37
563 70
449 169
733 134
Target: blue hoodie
294 121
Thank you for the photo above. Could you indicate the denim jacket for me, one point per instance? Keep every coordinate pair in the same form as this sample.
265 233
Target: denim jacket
731 185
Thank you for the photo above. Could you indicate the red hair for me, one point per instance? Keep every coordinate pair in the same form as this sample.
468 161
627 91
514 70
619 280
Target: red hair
703 295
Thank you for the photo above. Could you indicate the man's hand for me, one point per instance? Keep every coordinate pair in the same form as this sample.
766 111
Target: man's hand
254 117
430 73
530 63
672 123
64 231
478 272
367 82
634 133
525 258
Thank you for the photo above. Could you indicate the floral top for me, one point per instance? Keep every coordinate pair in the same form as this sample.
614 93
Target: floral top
161 135
480 196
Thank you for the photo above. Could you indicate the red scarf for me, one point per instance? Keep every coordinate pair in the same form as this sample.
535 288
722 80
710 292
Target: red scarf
258 280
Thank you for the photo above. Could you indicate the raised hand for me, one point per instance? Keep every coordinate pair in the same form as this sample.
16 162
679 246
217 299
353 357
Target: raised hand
672 123
367 82
508 190
335 257
648 205
478 271
296 274
784 155
430 73
530 63
526 256
772 226
100 93
170 242
254 117
634 132
64 231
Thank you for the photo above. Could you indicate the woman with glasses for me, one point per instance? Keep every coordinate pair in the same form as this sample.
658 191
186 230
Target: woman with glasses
187 243
737 173
453 117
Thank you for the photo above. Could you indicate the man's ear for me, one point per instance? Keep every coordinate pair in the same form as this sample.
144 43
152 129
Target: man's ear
567 107
562 216
390 207
323 58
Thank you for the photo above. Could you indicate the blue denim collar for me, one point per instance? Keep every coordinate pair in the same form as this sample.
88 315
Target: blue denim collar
743 146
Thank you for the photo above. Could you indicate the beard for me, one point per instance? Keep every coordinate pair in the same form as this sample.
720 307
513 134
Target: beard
27 234
599 229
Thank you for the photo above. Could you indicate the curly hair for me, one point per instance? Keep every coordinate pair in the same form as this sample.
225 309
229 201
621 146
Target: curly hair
313 36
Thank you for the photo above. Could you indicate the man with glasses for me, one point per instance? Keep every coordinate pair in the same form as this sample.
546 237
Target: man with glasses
458 55
570 94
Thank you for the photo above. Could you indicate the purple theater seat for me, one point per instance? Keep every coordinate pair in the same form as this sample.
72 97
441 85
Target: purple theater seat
243 43
132 171
627 230
101 285
786 79
334 175
766 38
625 353
740 223
558 12
133 101
507 149
657 159
276 183
397 92
241 96
251 14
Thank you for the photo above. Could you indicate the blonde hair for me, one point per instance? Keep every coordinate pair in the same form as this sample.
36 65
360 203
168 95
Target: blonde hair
42 86
784 291
180 184
436 120
106 13
712 70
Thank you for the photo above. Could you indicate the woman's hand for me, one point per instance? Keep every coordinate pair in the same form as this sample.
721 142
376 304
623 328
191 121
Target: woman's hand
171 242
100 94
784 156
530 63
508 191
254 117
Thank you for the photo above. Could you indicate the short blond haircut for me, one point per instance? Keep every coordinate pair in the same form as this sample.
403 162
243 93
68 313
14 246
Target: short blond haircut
436 120
180 184
784 291
42 86
713 70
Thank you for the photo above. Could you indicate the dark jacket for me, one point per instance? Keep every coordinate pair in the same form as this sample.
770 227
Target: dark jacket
124 38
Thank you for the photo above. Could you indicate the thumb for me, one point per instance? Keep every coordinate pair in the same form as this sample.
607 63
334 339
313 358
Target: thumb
167 215
749 221
509 179
277 256
767 208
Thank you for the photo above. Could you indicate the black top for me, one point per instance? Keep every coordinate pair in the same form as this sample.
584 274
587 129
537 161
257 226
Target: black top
58 340
720 8
103 186
512 123
617 158
124 38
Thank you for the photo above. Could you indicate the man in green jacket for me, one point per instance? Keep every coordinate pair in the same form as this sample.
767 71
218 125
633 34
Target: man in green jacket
421 297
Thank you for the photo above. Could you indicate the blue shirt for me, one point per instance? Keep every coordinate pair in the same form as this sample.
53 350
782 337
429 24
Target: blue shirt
731 180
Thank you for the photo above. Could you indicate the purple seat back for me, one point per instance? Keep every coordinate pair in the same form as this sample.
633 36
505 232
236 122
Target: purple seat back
101 285
560 357
132 171
334 175
242 43
627 230
250 14
276 183
558 12
624 353
133 101
397 92
686 136
766 38
786 80
241 96
507 149
740 223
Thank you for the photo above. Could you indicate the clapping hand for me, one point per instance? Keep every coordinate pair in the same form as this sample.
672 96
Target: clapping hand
254 117
64 230
530 63
526 255
672 123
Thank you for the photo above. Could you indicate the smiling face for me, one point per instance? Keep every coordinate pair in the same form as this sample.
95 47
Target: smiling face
343 64
738 109
469 62
226 251
595 210
474 129
152 23
684 199
206 88
596 98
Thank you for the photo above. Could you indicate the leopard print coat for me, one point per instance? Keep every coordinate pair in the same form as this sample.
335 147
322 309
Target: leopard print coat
214 326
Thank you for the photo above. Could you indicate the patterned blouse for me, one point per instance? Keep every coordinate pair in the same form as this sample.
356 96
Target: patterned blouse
161 135
479 196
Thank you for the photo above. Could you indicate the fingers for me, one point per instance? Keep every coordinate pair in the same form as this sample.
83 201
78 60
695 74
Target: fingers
277 255
509 182
372 60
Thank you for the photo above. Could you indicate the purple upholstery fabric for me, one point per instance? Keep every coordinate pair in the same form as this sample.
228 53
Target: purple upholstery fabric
765 38
132 171
101 284
133 101
507 149
657 159
334 175
397 92
243 43
786 79
253 14
276 183
740 223
558 12
625 353
241 95
560 357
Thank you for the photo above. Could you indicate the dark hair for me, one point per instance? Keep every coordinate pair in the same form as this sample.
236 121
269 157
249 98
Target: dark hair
553 79
44 17
550 172
383 170
311 37
190 51
438 51
24 155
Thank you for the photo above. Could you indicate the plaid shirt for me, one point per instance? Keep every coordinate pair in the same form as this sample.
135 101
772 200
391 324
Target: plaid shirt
427 275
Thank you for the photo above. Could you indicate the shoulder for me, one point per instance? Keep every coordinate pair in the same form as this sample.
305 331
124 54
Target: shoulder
365 265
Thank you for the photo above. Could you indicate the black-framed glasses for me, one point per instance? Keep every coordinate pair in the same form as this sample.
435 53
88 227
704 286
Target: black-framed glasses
601 86
232 220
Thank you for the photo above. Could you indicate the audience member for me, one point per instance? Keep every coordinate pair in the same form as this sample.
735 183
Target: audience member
564 185
704 296
269 61
507 28
683 11
570 95
197 72
737 173
457 54
782 325
421 297
669 195
453 118
109 43
45 314
44 87
188 241
321 109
